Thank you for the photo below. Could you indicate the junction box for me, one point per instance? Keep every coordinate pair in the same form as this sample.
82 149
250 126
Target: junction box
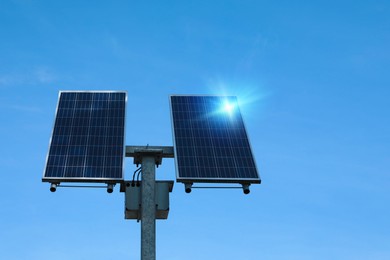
133 205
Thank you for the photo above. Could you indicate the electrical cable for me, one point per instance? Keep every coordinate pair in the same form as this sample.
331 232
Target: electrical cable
138 170
138 182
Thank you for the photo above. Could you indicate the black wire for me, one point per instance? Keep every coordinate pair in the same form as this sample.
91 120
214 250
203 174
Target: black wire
138 170
138 183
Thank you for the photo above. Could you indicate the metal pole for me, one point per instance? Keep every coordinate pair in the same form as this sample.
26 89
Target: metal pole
148 208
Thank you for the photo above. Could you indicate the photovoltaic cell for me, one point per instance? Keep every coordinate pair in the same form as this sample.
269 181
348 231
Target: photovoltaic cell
210 140
87 143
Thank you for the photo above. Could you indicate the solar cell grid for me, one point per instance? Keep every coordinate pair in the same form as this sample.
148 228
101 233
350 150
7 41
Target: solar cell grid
87 143
210 140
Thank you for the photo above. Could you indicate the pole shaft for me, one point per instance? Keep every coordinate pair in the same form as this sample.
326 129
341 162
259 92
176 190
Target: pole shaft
148 209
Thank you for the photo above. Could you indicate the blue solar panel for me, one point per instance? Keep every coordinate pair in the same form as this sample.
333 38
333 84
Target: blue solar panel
87 143
210 140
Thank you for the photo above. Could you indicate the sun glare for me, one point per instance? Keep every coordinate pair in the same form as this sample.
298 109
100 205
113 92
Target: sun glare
229 107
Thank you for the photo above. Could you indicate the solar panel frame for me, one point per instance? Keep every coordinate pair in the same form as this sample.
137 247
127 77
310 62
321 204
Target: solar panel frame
213 178
105 178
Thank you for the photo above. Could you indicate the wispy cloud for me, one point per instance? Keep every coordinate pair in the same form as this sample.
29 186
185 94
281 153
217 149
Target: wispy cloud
38 75
254 50
44 75
6 80
118 49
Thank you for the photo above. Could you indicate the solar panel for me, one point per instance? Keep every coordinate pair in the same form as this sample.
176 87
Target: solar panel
87 143
210 140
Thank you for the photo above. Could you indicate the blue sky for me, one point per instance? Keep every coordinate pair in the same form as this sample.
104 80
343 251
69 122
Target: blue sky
312 77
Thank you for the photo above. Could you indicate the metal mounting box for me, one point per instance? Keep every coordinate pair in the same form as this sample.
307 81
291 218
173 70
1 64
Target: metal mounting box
133 199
